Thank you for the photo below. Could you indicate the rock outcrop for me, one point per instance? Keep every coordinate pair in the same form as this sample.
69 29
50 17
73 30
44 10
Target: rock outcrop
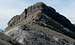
6 40
40 24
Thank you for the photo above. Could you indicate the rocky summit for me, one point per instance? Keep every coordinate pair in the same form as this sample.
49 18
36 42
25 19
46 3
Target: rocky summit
40 24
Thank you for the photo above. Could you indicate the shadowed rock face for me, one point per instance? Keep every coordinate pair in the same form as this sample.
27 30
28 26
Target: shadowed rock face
40 24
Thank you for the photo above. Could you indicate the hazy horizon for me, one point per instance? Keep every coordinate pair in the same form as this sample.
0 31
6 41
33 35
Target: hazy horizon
10 8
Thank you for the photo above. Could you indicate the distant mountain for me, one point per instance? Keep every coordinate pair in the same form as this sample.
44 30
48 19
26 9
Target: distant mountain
1 30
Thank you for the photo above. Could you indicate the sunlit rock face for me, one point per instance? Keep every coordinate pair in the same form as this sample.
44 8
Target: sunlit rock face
40 24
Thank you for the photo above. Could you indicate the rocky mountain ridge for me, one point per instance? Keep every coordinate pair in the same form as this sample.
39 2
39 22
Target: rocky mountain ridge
40 24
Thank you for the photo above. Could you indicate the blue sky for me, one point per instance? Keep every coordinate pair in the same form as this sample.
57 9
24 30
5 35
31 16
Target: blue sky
10 8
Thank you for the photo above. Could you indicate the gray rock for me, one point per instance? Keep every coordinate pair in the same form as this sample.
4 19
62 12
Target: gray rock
41 25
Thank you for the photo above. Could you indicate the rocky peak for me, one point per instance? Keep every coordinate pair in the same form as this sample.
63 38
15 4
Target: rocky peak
38 24
39 11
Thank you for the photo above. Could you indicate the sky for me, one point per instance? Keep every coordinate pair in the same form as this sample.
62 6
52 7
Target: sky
10 8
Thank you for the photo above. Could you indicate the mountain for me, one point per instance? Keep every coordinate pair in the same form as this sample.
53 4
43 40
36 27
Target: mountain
1 30
40 24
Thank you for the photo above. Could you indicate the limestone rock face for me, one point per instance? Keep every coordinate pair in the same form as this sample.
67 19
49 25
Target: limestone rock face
40 24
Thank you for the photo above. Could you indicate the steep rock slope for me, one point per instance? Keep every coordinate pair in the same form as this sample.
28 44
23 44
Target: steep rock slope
41 25
6 40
